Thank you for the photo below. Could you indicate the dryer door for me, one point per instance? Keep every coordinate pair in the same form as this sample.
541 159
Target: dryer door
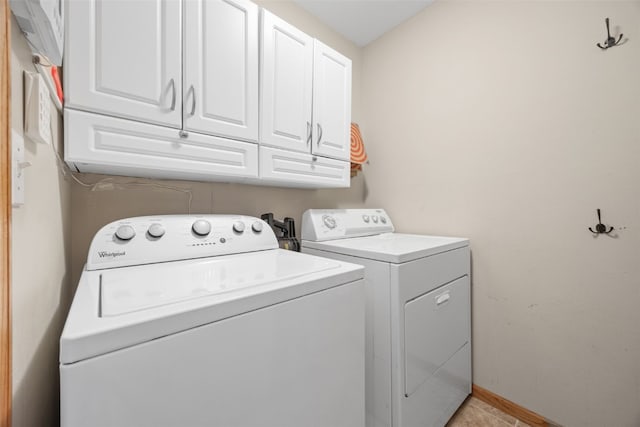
436 326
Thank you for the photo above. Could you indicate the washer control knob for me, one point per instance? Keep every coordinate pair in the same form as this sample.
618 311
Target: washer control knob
156 230
238 227
125 232
257 226
374 218
365 218
383 220
201 227
329 221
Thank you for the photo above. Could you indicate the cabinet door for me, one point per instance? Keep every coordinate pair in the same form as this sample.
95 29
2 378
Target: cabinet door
331 103
286 85
289 169
123 58
108 145
221 68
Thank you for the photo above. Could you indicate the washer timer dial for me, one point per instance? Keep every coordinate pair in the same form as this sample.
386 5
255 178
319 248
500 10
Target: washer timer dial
201 227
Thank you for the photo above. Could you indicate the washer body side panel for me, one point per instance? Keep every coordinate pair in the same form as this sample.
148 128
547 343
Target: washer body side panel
296 363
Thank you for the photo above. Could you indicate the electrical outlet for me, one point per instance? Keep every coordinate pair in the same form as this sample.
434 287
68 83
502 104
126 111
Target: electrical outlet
17 169
17 173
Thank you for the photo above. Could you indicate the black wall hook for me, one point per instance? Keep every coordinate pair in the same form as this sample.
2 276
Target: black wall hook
611 41
600 227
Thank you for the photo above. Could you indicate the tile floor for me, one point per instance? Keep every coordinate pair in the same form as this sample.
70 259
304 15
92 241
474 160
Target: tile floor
476 413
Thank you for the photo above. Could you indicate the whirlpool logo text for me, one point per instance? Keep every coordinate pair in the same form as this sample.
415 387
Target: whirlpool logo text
105 254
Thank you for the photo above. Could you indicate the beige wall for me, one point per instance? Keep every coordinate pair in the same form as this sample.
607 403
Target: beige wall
502 121
93 209
41 248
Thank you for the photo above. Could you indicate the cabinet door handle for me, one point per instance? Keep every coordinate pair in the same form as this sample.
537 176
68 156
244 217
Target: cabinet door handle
319 134
172 83
308 132
193 101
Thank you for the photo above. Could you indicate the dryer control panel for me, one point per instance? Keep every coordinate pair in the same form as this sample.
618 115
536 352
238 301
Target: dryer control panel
329 224
153 239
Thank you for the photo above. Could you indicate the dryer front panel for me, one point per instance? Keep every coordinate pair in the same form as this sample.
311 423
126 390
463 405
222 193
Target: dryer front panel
431 339
436 326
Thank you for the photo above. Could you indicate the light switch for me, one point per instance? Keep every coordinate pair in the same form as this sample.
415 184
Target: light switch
37 112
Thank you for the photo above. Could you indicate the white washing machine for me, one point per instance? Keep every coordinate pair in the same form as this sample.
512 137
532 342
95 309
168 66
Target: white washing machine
418 327
203 321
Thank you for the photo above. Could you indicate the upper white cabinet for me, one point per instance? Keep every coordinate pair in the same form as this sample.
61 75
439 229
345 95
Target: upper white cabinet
331 103
124 58
208 83
305 108
286 84
306 92
221 68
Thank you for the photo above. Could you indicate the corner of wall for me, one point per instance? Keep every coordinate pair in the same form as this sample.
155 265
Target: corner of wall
40 251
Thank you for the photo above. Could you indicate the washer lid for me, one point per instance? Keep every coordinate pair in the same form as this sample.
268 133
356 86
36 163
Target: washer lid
125 290
122 307
390 247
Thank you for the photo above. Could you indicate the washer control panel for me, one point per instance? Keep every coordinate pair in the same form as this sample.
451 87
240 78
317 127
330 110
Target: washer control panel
329 224
153 239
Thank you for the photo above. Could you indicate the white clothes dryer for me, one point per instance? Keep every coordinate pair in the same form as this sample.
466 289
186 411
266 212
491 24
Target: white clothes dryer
418 314
203 321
